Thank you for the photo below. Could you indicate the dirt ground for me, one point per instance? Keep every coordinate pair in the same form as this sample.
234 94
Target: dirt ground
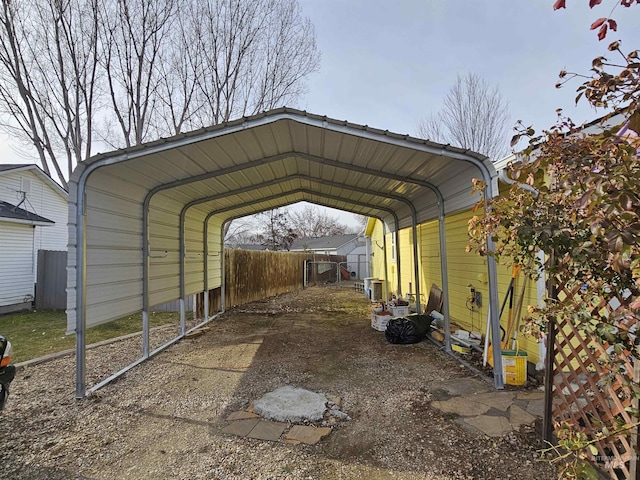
164 418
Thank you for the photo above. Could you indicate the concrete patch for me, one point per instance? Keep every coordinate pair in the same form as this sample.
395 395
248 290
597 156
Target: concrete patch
242 415
491 426
306 434
270 431
291 404
517 417
241 427
461 406
499 400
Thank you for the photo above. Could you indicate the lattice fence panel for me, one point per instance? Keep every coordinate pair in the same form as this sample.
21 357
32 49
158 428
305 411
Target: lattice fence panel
587 394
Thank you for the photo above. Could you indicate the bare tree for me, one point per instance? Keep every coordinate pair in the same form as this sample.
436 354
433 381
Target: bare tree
312 222
135 33
73 72
254 56
48 78
240 231
275 230
474 116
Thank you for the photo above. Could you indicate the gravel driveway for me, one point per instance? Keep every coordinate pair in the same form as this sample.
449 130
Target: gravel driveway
164 418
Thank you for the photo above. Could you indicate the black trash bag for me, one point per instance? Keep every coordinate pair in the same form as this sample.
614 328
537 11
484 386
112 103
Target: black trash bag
409 329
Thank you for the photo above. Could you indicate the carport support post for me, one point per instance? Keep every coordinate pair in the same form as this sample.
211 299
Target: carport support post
445 277
384 256
498 376
205 280
223 276
416 264
145 280
398 262
183 251
81 279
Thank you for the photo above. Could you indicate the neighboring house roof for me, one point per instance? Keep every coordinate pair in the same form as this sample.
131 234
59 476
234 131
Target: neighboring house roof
12 168
322 243
592 127
12 213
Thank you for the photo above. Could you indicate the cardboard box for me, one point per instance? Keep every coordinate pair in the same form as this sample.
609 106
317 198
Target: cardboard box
400 311
379 322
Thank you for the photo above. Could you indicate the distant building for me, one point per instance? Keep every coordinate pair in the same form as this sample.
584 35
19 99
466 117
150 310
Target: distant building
353 246
33 216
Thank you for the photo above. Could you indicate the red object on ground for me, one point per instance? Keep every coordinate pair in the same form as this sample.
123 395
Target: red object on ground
346 275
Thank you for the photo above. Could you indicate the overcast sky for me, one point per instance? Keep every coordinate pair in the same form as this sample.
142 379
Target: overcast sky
389 63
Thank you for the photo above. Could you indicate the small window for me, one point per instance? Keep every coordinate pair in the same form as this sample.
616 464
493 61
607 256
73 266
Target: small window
25 184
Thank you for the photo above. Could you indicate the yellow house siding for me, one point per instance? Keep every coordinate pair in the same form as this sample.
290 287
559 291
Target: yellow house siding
464 269
430 271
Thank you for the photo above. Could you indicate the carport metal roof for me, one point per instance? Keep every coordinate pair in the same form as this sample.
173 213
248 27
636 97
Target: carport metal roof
256 164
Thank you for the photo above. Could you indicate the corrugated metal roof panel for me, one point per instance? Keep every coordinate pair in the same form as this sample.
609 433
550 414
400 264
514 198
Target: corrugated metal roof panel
250 165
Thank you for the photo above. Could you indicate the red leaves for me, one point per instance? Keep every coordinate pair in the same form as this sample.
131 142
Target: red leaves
602 33
602 24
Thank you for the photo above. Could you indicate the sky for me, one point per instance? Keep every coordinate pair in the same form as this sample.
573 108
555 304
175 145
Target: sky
390 63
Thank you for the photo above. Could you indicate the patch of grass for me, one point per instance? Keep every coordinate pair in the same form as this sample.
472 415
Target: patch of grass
37 333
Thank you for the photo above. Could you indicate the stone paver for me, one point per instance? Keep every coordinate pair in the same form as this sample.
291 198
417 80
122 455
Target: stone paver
461 386
265 430
530 396
241 427
500 400
518 416
242 415
489 425
536 407
306 434
461 406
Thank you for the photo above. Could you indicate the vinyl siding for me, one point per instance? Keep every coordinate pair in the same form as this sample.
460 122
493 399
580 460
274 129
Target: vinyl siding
43 200
16 263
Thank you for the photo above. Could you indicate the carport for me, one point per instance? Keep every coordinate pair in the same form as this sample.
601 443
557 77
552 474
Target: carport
146 222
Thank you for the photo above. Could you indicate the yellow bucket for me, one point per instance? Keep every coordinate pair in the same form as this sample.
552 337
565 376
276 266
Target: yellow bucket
514 367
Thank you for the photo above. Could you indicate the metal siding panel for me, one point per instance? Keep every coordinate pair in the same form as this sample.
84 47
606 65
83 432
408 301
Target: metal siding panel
167 294
116 220
107 274
108 311
101 237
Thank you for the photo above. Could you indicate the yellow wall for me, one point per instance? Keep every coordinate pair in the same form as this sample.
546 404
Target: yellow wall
377 258
464 269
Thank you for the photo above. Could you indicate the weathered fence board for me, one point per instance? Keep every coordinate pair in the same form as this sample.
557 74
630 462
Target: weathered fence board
51 280
252 275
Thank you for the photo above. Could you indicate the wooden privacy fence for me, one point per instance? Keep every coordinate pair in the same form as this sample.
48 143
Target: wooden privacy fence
586 393
252 275
51 280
